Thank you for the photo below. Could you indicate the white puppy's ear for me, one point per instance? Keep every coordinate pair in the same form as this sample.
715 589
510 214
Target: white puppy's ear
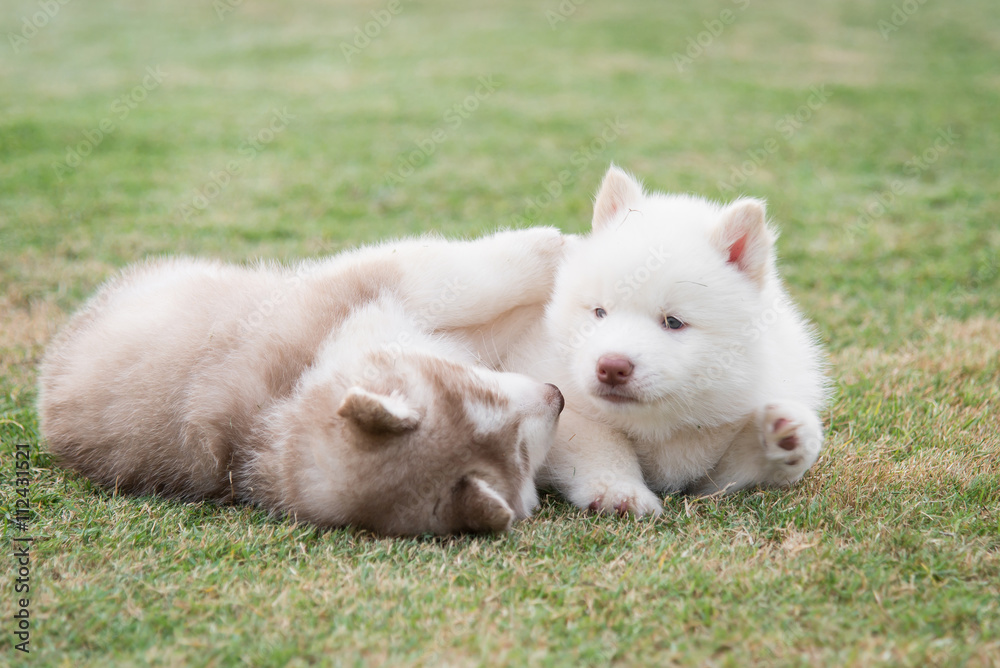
619 191
744 238
378 413
479 508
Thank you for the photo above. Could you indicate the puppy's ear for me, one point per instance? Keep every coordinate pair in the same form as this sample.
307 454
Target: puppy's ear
745 239
619 191
478 508
378 413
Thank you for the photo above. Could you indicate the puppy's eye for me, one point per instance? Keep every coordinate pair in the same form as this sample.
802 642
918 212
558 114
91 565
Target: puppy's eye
670 322
599 313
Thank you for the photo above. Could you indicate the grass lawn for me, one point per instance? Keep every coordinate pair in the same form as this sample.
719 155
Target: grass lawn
259 128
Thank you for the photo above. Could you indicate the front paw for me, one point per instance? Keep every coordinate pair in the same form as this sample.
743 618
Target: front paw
540 248
620 497
542 240
792 438
530 260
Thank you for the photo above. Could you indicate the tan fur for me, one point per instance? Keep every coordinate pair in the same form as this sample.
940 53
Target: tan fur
331 391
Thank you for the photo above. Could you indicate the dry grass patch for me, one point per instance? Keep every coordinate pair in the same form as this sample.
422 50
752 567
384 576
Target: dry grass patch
934 399
24 332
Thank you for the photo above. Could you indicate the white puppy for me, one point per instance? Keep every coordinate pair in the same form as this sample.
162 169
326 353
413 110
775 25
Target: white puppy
344 391
684 364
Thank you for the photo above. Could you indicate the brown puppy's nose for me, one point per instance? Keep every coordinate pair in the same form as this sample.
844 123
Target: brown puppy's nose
614 369
556 396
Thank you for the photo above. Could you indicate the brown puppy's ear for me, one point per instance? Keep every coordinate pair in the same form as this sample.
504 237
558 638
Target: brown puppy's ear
378 413
619 191
478 508
744 238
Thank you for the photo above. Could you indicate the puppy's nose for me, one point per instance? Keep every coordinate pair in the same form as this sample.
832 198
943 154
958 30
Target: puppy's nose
555 396
614 369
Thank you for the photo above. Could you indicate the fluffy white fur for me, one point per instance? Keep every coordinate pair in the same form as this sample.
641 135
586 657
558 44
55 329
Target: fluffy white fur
342 391
713 381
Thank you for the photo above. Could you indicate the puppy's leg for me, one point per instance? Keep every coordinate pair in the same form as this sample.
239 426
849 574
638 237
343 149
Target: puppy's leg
597 469
775 449
450 285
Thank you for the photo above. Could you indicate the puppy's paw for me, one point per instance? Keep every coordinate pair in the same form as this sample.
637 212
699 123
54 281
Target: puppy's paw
792 436
622 497
531 260
540 246
535 239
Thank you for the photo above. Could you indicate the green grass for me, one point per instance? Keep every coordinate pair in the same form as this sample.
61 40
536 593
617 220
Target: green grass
888 552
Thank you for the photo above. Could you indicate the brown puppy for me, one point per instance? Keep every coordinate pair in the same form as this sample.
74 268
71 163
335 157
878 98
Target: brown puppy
345 391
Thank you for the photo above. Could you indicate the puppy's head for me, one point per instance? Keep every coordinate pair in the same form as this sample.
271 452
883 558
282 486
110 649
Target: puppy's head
441 447
654 312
